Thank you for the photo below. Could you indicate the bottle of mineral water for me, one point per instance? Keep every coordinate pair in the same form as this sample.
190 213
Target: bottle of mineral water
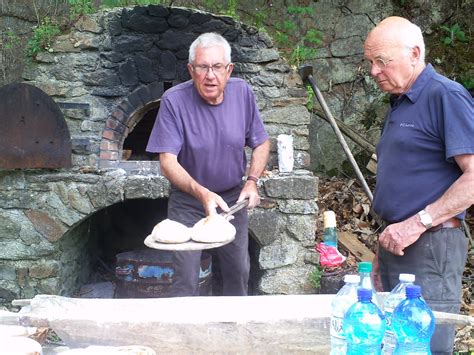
364 326
345 298
413 324
393 299
365 268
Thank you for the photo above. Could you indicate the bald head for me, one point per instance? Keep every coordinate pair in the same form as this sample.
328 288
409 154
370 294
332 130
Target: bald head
398 31
395 51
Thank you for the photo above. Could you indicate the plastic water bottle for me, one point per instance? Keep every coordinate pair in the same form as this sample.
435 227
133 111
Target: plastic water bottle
365 268
330 232
364 326
413 323
345 298
393 299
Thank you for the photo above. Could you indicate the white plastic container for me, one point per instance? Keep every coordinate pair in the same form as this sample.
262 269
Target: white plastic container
285 153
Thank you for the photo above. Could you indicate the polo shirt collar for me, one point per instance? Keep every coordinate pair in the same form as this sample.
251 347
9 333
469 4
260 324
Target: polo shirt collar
425 76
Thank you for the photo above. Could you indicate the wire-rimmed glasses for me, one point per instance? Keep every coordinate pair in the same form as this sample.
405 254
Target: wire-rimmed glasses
217 68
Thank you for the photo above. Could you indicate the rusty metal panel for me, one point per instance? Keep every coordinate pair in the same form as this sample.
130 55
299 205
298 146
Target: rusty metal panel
33 132
151 273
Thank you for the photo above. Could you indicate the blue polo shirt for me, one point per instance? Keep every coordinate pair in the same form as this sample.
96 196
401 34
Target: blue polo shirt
424 130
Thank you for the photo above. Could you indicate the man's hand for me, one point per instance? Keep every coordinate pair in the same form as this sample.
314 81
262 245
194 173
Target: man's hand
250 192
210 202
398 236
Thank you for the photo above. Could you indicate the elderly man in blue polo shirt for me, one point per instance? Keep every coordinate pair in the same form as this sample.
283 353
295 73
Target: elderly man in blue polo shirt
425 172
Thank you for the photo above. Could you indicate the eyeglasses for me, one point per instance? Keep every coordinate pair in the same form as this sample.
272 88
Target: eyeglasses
379 63
218 68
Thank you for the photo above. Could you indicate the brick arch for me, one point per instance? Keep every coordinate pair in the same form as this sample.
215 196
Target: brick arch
123 119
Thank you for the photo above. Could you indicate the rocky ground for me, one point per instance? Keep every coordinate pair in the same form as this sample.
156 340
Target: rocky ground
351 205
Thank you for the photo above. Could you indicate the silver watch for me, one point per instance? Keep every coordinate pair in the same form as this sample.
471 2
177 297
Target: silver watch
425 219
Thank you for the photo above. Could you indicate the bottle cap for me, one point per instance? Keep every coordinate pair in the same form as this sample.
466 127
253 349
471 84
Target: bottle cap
329 219
365 266
407 277
352 279
413 291
364 294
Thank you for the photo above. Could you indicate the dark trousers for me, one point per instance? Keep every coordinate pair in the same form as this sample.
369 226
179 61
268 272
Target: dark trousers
437 259
234 258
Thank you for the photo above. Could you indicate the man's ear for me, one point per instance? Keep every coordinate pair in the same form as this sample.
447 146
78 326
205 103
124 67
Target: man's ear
415 54
230 68
190 70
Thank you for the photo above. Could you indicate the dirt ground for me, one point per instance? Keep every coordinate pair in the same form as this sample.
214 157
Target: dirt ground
351 205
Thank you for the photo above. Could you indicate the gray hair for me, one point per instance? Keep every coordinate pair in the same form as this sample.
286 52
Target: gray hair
207 40
413 37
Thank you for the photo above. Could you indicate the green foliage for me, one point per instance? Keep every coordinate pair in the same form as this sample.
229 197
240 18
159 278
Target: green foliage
10 40
227 8
232 8
294 38
80 7
454 34
301 54
314 277
43 36
122 3
300 10
259 19
467 82
313 36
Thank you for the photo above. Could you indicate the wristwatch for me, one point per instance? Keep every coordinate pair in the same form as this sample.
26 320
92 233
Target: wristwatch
425 219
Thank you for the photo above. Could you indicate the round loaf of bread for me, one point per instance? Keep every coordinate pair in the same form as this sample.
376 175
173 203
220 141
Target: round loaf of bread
213 229
171 232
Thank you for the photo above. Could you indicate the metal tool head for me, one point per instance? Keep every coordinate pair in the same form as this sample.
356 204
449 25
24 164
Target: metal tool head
305 71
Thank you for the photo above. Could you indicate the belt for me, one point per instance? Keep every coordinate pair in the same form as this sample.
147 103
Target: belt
453 222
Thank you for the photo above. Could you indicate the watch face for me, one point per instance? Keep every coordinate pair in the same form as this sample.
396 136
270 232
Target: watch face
425 218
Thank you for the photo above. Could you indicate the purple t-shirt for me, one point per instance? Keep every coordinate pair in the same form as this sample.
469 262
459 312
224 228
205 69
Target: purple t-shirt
209 140
424 130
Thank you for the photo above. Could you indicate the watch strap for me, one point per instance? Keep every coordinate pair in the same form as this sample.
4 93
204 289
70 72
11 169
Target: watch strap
252 178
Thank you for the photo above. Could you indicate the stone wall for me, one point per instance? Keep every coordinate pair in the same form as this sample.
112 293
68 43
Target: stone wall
106 74
350 92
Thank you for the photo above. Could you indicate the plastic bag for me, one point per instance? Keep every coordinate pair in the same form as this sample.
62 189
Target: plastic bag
329 255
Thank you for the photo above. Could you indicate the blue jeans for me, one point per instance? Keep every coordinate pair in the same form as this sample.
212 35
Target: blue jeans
234 257
437 259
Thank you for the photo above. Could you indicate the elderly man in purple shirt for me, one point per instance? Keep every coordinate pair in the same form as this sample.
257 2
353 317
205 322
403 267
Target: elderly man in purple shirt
201 132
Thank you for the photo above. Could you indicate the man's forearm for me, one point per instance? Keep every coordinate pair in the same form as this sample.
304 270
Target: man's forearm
459 197
179 177
259 159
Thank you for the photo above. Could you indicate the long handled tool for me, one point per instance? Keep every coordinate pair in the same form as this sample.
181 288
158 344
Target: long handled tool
306 73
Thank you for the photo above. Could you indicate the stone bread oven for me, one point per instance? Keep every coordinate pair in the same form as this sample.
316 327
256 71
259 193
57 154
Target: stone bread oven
58 227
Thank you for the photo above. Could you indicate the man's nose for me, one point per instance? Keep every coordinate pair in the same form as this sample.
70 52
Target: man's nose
375 70
210 73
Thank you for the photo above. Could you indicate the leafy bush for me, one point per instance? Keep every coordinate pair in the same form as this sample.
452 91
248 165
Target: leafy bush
43 36
314 278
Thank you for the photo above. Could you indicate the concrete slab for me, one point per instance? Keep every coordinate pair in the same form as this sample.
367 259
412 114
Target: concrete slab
274 324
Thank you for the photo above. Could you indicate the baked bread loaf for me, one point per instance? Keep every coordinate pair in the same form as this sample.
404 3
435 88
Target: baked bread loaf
171 232
213 229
